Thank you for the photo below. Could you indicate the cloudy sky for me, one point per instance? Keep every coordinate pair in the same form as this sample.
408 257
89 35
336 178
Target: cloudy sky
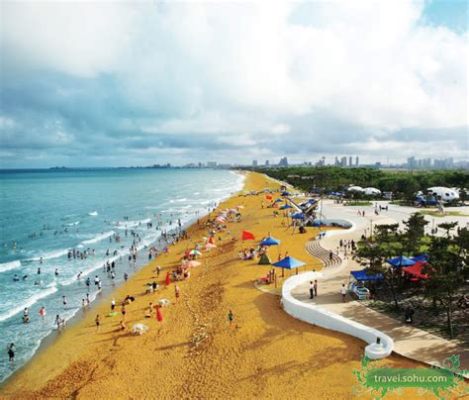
135 83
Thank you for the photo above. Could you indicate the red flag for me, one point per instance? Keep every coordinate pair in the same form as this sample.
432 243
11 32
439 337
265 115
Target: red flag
247 236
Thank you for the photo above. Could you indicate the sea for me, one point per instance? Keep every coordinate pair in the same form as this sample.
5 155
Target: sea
46 214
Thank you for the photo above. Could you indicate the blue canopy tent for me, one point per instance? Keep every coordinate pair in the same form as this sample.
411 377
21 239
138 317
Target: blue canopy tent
289 263
401 261
420 258
298 215
363 276
270 241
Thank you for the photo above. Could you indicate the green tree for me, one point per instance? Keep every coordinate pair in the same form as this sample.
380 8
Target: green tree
415 231
448 226
447 269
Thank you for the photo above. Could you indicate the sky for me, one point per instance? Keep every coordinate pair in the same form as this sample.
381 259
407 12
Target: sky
138 83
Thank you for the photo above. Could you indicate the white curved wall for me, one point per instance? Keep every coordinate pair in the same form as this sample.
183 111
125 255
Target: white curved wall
319 316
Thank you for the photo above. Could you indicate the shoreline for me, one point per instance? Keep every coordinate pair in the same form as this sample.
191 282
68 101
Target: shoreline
106 291
126 363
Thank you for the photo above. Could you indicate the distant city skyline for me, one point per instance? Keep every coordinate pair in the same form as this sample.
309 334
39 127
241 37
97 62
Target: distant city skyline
139 83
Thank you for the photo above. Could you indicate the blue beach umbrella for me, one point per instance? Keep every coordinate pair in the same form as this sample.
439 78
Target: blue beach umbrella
401 261
285 194
270 241
285 206
289 263
278 201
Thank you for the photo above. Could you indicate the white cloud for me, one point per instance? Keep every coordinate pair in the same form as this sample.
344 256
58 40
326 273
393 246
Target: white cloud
244 68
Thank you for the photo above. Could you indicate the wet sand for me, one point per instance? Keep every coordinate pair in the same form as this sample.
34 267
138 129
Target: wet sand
195 353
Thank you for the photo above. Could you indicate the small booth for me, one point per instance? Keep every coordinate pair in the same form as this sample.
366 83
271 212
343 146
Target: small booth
359 280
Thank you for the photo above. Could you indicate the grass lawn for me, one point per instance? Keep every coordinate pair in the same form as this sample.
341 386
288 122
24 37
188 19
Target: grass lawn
445 214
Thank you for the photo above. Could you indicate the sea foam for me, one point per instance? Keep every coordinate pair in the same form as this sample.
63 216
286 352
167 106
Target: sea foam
10 265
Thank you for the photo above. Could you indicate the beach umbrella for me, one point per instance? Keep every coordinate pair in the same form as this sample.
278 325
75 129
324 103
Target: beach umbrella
195 253
285 207
288 263
264 260
401 261
220 219
285 194
278 201
246 235
210 246
268 197
270 241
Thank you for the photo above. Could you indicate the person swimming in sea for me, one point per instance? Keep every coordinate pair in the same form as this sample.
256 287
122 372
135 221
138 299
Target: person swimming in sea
26 315
16 278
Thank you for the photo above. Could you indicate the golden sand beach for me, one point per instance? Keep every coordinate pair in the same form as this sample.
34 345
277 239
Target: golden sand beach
195 353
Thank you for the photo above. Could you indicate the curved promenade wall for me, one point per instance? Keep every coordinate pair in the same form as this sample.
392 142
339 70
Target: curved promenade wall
317 315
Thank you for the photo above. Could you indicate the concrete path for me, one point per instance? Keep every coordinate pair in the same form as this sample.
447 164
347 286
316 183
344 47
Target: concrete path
409 341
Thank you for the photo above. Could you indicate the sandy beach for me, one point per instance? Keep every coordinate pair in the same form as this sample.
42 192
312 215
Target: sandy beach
195 353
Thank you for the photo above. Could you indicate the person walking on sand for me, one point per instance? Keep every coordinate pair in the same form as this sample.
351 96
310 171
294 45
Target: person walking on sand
230 317
158 271
177 292
113 305
311 290
343 292
315 288
11 353
123 311
97 322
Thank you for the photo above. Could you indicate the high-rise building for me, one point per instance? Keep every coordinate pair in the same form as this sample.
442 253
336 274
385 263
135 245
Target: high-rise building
336 161
343 161
283 162
357 161
411 163
350 161
267 162
254 163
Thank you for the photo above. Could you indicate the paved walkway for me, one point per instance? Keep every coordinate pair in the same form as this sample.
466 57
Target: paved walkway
409 341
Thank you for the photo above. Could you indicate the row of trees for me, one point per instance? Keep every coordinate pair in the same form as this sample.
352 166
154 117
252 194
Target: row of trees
447 268
403 183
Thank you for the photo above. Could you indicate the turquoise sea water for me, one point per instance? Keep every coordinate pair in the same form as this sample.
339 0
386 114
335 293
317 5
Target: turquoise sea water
46 214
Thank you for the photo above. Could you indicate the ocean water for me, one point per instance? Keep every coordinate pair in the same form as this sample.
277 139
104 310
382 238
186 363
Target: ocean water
46 214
